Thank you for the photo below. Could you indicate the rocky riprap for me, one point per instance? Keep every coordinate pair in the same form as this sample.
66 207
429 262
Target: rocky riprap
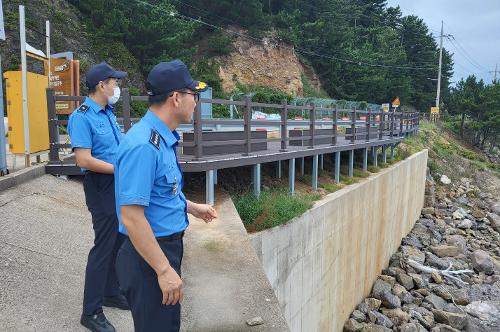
446 274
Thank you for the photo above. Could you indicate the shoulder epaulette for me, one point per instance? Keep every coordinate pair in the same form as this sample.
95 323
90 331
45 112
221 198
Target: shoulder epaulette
155 139
83 108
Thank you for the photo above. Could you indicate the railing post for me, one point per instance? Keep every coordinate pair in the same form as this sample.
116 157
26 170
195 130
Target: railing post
247 125
401 124
312 118
284 126
198 133
51 111
392 123
368 123
353 125
126 110
381 125
334 129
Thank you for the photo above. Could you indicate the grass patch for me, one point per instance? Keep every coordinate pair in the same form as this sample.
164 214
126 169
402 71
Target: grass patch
373 169
272 208
330 187
359 173
383 165
348 180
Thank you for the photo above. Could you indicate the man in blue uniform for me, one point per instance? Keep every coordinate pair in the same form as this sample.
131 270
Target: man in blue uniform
150 203
95 137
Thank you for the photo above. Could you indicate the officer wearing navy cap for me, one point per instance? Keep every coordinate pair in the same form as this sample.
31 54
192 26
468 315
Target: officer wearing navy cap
95 137
151 206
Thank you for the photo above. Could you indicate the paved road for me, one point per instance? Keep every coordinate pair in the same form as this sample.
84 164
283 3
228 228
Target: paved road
45 235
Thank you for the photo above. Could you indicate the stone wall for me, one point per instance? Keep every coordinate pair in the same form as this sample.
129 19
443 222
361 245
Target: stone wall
323 263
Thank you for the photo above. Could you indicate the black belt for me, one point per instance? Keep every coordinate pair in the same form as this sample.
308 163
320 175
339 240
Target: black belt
95 173
171 237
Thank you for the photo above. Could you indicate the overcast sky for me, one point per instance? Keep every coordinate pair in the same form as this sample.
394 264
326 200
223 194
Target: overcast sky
475 24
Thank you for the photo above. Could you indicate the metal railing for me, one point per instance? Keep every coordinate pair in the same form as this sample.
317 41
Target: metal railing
359 124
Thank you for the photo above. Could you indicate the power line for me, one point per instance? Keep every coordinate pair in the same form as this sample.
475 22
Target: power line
474 65
477 64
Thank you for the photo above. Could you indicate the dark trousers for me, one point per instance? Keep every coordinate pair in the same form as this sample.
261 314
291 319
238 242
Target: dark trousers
100 275
139 282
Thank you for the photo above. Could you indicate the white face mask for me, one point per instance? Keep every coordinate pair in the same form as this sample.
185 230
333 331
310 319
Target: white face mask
114 98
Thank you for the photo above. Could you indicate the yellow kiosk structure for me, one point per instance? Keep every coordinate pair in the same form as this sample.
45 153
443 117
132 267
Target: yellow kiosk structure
37 112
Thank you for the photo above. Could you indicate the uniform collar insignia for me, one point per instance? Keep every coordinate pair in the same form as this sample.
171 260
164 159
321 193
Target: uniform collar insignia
155 139
83 108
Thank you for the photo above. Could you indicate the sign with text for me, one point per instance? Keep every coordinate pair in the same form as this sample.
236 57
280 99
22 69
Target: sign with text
434 110
64 80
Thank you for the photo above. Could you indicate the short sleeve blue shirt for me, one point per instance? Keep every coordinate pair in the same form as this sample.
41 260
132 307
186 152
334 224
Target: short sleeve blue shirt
147 173
92 127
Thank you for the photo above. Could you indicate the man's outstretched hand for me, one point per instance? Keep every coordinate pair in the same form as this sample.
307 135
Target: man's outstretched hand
202 211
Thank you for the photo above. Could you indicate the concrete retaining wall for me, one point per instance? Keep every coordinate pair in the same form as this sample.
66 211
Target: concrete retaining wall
323 263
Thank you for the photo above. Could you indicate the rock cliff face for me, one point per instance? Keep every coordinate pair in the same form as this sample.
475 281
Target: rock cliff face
267 64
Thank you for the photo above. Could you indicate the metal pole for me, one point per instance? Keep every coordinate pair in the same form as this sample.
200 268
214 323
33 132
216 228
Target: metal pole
47 42
438 93
351 163
365 159
337 167
315 173
278 169
302 166
209 184
24 70
291 175
256 179
3 151
384 154
374 156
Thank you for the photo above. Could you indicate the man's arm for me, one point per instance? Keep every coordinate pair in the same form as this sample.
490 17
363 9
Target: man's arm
142 237
84 159
202 211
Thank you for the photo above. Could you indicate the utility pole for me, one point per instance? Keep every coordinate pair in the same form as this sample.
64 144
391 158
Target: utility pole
496 71
440 65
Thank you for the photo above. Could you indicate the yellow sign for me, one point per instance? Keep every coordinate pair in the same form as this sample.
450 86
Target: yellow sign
386 107
434 110
396 102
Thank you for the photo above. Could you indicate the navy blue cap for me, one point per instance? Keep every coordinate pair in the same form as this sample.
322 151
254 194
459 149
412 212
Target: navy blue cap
171 76
101 72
